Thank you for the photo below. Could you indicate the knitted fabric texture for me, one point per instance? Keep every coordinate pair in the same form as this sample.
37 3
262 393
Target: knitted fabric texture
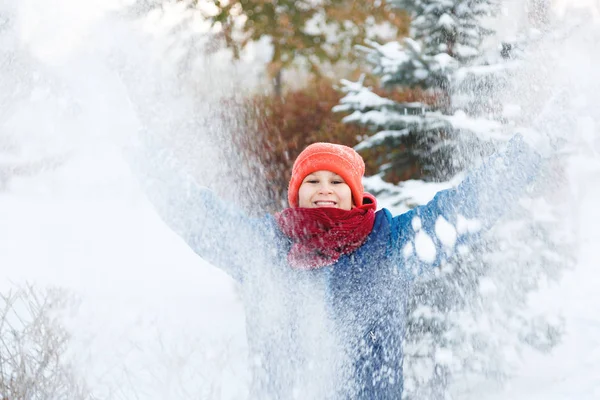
342 160
320 236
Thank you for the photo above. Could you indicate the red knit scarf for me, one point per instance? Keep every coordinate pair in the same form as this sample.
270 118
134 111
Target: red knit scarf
320 236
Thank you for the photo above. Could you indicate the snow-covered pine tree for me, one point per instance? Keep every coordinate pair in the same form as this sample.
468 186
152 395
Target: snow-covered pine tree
463 323
442 57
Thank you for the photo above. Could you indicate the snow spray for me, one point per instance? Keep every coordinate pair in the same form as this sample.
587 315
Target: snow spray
552 263
79 82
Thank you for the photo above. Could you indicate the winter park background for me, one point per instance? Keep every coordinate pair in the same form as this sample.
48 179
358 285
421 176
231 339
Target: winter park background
100 300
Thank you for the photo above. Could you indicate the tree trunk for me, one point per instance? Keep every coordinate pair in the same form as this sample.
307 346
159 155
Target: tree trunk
277 83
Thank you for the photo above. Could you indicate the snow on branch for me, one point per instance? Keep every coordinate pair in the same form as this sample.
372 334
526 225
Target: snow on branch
407 61
389 120
408 194
33 347
485 129
360 98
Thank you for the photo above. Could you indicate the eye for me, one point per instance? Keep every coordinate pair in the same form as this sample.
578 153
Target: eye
337 181
311 181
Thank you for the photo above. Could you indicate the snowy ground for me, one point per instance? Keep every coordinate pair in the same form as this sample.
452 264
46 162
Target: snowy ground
152 315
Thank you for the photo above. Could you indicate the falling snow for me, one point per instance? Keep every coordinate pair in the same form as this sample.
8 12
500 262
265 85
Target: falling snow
155 321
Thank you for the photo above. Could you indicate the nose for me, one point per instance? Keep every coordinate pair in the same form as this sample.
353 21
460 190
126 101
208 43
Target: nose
325 188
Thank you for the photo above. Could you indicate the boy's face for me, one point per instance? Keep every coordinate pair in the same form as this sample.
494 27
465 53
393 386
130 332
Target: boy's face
325 189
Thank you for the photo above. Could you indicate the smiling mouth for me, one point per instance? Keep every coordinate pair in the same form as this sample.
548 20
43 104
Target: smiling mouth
325 203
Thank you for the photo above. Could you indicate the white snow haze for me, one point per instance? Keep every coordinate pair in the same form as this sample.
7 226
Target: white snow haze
78 80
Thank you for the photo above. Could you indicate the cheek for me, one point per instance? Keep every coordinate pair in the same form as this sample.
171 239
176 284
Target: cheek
303 196
345 196
346 192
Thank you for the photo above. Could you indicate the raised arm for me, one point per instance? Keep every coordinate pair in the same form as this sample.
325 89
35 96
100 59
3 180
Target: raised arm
427 235
219 232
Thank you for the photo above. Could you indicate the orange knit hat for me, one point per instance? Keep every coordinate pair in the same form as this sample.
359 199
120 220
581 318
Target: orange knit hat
342 160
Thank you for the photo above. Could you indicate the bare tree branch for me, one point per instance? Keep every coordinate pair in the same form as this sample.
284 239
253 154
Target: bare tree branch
33 345
12 169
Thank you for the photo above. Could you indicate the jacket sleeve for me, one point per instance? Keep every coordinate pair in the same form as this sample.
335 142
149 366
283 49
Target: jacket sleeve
218 231
427 235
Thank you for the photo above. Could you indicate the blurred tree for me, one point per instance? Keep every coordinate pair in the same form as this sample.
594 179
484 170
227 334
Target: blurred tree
12 168
274 131
25 91
305 32
34 353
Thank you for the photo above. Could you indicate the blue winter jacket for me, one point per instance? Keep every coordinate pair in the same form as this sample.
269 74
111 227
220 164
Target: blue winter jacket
336 332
